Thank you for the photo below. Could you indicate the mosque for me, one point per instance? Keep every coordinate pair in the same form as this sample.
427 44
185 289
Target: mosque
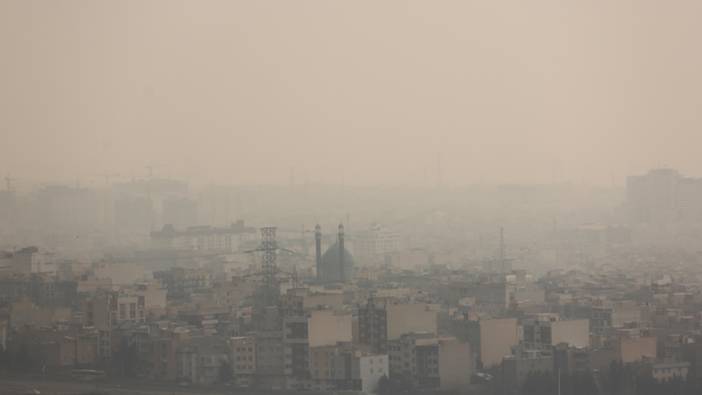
336 264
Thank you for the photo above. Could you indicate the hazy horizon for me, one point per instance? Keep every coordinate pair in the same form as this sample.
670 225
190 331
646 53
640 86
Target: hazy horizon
356 93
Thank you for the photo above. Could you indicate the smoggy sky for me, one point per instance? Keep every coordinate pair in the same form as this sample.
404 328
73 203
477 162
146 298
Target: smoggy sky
361 92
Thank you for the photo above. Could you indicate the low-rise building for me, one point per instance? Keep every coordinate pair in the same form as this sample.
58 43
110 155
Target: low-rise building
343 367
518 366
200 360
427 361
664 371
547 330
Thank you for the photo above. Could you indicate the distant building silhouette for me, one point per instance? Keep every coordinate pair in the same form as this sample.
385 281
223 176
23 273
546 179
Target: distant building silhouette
663 195
336 264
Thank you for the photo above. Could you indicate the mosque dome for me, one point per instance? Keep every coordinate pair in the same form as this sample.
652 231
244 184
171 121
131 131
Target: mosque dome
335 268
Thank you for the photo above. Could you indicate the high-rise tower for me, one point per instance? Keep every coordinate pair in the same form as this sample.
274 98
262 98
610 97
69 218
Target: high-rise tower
318 249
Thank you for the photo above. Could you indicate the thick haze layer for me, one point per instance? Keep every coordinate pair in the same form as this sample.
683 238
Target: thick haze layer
358 92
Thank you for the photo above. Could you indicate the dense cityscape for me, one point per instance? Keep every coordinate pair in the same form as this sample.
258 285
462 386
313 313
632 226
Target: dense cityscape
117 288
314 197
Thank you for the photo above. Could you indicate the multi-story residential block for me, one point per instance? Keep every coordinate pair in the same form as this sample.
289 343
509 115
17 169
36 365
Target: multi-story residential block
163 353
524 362
428 361
343 367
296 352
204 238
497 337
26 261
547 330
200 359
243 360
456 364
329 327
372 245
270 360
130 308
634 348
381 320
181 282
415 357
571 360
664 371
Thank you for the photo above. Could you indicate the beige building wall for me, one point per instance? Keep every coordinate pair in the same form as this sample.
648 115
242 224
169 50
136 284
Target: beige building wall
243 357
410 318
455 364
497 337
154 296
529 296
24 312
636 348
101 310
327 327
574 332
625 312
320 362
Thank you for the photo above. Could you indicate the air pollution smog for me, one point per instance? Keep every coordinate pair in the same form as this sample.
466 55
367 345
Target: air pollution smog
397 197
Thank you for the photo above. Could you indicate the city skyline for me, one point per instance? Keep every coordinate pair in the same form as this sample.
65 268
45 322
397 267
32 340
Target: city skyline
456 197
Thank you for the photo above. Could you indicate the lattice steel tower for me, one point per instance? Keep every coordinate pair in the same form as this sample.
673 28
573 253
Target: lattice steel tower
269 246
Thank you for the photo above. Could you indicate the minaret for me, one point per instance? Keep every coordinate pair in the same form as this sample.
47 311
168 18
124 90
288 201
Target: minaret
318 250
341 252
